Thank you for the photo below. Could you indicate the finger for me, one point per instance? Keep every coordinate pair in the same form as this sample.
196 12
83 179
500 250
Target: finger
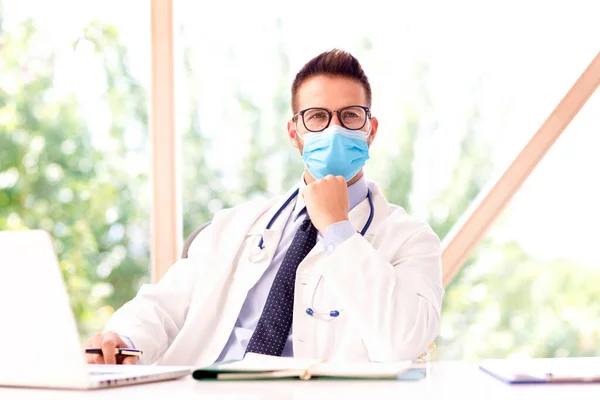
130 360
93 359
109 344
307 189
120 341
94 342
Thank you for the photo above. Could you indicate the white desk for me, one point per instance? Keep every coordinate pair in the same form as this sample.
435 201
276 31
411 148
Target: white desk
446 380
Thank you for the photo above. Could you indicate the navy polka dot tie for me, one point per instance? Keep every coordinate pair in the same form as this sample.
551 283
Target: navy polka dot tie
275 322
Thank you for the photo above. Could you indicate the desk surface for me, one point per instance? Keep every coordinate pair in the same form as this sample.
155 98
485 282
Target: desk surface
446 379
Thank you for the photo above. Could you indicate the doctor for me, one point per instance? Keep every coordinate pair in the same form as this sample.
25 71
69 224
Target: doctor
329 270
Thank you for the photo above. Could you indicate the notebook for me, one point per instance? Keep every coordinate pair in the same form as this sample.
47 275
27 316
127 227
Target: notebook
258 366
544 370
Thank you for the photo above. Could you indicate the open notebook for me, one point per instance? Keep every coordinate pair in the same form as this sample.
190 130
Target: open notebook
259 366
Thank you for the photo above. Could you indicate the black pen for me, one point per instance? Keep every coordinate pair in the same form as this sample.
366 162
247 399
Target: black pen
118 352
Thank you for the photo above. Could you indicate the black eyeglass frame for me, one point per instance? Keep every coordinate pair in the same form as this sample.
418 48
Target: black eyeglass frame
330 114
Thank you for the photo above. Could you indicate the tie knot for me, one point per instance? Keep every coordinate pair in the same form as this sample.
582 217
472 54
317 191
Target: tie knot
306 224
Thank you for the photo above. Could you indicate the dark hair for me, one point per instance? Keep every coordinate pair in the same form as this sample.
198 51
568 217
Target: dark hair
333 63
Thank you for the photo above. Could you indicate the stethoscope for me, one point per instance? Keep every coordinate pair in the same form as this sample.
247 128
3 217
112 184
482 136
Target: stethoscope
259 255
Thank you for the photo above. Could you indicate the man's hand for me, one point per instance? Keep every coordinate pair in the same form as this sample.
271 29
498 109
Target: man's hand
108 342
326 201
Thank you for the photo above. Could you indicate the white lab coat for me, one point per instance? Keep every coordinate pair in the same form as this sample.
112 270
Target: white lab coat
387 284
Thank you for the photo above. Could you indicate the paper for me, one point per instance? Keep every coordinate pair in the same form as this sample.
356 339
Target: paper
361 370
261 362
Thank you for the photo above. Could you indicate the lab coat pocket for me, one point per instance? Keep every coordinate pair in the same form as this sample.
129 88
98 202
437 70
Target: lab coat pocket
340 339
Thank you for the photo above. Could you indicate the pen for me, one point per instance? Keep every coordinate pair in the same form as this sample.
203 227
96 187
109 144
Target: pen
118 352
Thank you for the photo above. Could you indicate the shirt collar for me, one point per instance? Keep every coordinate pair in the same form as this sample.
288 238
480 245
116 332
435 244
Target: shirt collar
357 192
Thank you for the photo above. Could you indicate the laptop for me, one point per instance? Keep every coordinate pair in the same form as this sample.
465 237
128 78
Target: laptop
40 344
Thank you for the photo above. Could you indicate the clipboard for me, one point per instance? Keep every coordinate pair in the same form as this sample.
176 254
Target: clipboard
544 370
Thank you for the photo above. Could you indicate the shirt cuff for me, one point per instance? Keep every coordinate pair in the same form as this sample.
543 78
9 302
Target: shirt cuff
336 234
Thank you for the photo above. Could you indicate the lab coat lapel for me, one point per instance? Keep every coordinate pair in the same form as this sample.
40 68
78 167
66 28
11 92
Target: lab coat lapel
360 214
246 274
271 238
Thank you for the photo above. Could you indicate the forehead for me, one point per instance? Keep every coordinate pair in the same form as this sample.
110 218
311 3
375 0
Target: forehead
332 92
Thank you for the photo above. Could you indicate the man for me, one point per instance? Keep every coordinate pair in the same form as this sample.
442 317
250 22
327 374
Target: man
330 270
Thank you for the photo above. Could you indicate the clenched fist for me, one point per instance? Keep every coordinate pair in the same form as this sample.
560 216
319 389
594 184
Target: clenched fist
327 201
108 342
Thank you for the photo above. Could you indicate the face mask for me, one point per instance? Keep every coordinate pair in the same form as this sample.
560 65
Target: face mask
336 151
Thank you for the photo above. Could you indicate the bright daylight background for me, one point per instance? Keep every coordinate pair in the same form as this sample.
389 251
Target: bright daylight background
458 87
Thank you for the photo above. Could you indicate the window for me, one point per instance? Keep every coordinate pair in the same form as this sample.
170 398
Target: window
531 289
73 142
453 107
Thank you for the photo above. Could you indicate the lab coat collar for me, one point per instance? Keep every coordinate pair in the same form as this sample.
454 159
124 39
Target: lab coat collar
359 215
261 222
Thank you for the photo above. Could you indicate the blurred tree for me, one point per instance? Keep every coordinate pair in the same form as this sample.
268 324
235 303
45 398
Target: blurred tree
204 192
511 304
54 177
269 145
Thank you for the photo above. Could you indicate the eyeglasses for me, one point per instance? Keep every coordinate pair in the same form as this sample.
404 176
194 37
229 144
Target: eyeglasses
315 119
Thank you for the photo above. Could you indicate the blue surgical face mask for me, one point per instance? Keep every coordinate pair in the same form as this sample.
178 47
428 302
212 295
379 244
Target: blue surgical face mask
336 151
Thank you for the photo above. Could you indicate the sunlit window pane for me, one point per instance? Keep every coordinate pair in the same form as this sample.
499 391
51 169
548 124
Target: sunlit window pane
532 287
74 142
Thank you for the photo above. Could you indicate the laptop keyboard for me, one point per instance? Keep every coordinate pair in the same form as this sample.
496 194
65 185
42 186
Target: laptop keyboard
102 373
112 370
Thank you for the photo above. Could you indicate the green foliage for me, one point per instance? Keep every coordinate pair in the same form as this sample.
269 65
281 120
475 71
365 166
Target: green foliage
201 182
267 147
54 176
507 303
400 178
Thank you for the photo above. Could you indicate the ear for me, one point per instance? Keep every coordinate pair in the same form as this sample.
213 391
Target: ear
291 127
374 126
